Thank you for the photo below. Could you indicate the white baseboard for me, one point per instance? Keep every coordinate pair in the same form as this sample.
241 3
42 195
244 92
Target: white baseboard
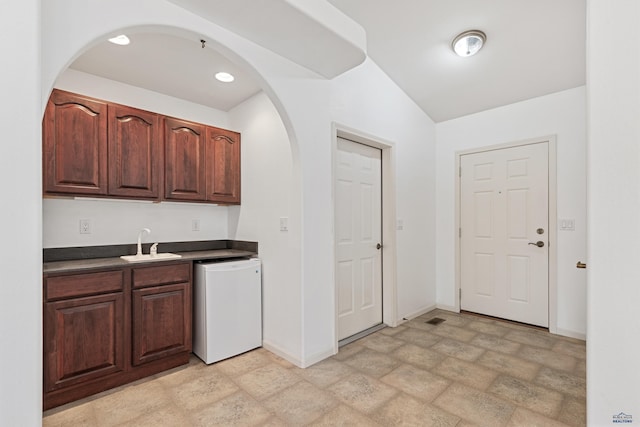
282 353
415 314
318 357
448 308
295 360
571 334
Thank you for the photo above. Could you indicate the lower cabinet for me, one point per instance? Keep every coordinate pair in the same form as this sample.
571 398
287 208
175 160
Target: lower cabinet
107 328
84 339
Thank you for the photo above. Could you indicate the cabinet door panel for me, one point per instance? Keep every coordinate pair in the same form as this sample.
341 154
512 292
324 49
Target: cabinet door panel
83 339
134 155
161 322
75 145
184 160
223 166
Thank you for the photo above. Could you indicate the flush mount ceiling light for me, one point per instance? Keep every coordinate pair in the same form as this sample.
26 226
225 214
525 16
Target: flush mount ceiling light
121 40
225 77
469 43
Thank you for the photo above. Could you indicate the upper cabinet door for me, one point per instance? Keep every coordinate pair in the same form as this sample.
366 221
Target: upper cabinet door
223 166
184 160
135 156
74 145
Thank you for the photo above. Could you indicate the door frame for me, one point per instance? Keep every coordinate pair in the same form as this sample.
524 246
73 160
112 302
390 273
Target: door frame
550 140
388 188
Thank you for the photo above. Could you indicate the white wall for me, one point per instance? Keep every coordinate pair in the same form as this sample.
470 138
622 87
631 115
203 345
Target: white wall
21 230
119 221
366 99
562 114
267 187
613 89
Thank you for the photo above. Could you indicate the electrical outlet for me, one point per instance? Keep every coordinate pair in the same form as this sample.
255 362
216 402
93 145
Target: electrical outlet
195 225
85 226
284 224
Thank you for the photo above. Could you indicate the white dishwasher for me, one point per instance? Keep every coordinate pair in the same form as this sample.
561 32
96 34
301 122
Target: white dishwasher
227 308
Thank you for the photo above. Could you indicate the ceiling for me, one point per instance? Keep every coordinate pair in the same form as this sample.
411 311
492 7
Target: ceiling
533 48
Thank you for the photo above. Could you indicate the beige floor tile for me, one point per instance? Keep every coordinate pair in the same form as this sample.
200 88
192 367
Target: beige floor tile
475 406
405 410
454 332
326 372
236 410
528 395
459 349
243 363
130 403
264 382
79 415
301 403
274 358
418 337
510 365
581 369
548 358
418 356
450 319
344 416
170 415
416 382
523 417
406 375
209 387
532 337
372 363
495 343
348 350
489 328
573 412
363 393
419 323
576 349
467 373
393 331
381 343
563 382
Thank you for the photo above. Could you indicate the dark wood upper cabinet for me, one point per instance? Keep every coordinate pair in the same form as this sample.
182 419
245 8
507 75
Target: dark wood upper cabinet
75 145
223 166
135 154
184 144
96 148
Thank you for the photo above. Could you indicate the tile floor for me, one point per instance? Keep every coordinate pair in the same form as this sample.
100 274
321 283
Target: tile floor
469 370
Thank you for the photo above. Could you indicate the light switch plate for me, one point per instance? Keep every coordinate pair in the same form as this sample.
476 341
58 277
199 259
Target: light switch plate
567 224
284 223
85 226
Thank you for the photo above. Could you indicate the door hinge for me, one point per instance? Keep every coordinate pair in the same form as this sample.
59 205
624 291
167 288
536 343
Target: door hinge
460 232
459 171
460 295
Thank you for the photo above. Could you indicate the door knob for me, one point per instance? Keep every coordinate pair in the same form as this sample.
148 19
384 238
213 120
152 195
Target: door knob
378 246
539 243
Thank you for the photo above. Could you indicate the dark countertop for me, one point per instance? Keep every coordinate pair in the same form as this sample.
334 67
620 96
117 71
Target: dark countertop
190 252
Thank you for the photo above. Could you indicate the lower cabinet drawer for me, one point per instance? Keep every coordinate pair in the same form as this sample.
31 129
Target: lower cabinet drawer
76 285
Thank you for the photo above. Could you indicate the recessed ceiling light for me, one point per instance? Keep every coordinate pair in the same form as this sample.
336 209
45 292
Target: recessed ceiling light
121 40
225 77
469 43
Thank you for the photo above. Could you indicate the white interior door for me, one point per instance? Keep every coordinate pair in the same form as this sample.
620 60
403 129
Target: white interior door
504 217
358 229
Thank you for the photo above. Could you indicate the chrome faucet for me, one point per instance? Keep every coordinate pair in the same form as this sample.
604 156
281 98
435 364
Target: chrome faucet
148 230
